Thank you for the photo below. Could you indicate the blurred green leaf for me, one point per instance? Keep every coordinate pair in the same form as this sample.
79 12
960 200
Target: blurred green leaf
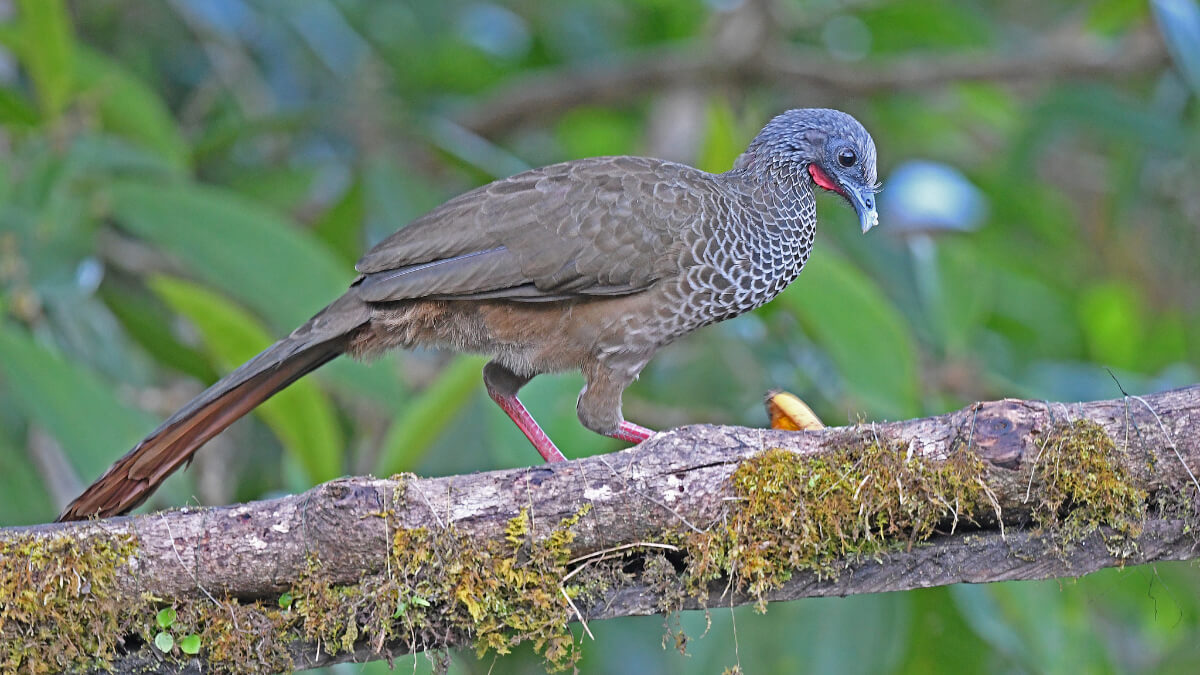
428 414
1029 313
967 290
146 323
1035 624
723 141
1114 324
128 107
301 415
341 226
70 402
46 50
1114 16
285 189
595 132
897 26
15 111
249 252
25 500
868 340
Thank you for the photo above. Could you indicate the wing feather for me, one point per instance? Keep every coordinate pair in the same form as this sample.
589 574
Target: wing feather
601 226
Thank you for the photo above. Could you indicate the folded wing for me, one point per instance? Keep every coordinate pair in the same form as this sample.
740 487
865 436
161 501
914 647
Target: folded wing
597 227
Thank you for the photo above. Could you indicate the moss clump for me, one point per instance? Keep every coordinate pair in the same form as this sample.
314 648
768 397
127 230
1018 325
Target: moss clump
443 582
1085 485
822 512
499 593
58 608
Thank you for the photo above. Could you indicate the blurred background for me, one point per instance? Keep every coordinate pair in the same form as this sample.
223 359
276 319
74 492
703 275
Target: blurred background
182 181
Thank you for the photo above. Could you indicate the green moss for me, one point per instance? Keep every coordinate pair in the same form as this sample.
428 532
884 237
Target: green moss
822 512
58 608
497 594
1083 486
235 637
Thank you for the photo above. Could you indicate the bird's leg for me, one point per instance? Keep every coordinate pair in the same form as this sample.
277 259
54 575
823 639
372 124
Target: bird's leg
502 385
599 406
631 433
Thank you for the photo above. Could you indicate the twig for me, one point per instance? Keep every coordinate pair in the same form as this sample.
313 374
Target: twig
543 95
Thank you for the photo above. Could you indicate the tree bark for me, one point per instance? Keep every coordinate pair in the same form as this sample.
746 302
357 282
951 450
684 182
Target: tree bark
676 482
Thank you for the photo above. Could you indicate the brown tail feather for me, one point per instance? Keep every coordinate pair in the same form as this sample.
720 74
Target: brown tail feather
133 478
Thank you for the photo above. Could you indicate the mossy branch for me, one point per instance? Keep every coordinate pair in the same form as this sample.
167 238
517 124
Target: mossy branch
366 568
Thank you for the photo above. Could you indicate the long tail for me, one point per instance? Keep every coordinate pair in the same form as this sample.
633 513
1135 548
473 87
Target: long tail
134 477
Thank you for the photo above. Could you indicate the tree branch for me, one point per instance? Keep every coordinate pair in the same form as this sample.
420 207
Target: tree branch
810 72
625 533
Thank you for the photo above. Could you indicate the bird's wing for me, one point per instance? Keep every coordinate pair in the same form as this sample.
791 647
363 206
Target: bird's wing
602 226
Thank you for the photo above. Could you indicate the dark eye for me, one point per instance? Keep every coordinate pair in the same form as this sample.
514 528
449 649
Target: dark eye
847 158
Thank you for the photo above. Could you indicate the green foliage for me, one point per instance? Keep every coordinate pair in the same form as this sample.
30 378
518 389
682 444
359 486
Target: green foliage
46 48
68 399
235 245
835 303
301 415
428 414
164 641
165 617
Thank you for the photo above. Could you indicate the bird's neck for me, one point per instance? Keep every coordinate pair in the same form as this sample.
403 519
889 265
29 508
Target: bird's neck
777 222
783 197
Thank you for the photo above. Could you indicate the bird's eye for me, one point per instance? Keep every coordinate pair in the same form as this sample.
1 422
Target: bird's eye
847 158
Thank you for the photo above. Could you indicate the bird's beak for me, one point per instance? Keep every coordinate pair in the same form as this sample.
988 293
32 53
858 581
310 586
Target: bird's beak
863 201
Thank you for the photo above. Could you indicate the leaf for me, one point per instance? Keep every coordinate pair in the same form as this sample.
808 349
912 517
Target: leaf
251 253
69 401
190 644
23 497
301 415
723 141
165 617
867 339
15 110
1114 321
129 107
164 641
285 600
143 320
46 51
341 226
593 132
428 414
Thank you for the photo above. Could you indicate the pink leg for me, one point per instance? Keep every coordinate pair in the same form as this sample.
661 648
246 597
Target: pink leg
631 433
519 414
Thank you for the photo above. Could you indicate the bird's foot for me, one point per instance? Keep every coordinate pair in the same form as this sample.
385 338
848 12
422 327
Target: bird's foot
631 433
788 412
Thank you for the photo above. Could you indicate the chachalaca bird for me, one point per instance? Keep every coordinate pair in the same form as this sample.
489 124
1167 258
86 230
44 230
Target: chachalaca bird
589 265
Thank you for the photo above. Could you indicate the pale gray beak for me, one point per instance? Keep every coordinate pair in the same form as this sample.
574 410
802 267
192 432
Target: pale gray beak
863 201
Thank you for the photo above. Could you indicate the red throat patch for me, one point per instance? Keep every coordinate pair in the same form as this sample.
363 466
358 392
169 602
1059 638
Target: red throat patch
821 178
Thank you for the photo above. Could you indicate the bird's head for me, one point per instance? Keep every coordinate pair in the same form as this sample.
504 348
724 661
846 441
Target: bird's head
828 147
